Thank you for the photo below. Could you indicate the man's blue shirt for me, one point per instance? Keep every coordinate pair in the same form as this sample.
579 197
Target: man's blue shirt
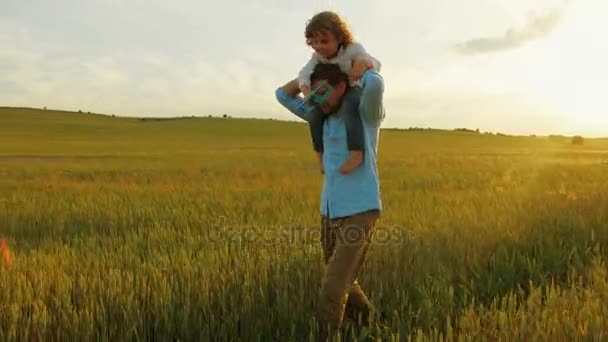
358 191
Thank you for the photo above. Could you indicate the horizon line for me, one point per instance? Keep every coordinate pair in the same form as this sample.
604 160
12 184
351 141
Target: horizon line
228 116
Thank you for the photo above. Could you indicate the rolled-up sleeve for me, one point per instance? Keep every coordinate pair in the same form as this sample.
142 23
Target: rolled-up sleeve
371 104
293 104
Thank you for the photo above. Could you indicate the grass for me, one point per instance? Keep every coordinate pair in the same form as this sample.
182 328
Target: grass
207 229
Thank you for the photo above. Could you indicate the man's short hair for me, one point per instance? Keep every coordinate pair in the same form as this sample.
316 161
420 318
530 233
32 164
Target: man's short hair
329 72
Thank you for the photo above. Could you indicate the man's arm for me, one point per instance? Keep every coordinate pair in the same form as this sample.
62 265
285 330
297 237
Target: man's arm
292 88
371 105
288 96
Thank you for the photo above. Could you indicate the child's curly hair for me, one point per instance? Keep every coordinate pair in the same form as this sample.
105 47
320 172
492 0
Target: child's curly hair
331 22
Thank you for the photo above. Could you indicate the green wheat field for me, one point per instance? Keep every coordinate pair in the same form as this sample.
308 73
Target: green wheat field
206 229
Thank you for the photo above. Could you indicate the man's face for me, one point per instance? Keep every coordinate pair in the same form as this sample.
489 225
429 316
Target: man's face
334 98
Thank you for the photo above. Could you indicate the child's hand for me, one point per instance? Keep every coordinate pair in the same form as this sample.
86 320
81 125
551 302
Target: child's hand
359 68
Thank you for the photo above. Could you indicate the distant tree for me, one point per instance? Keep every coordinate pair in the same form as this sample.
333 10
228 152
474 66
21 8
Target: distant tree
210 116
578 140
466 130
224 116
556 138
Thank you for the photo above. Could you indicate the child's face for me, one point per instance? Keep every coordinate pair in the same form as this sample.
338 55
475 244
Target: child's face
324 43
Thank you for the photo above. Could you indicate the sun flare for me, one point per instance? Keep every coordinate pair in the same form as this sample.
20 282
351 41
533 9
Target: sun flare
570 73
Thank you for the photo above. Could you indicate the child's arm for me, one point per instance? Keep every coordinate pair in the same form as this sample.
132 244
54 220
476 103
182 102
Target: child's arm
304 74
362 61
360 66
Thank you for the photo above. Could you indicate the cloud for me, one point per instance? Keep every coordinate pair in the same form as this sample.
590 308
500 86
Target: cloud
539 25
141 81
184 68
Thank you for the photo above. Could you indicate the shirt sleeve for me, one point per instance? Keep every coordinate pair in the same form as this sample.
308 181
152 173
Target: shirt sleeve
293 104
371 104
304 75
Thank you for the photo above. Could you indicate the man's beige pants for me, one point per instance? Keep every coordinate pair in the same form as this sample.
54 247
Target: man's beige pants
345 243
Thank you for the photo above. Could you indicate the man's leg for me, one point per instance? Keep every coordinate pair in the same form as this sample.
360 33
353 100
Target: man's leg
353 236
328 238
328 244
358 307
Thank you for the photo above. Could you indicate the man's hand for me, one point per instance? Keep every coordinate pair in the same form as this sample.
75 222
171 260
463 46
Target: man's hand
291 88
305 90
360 66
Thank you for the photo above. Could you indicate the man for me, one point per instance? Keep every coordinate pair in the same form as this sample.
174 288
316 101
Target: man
350 203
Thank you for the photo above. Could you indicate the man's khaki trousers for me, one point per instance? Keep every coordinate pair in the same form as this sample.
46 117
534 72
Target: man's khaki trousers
345 243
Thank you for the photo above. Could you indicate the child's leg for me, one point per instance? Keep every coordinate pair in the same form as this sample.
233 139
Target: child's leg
316 133
354 138
354 131
372 108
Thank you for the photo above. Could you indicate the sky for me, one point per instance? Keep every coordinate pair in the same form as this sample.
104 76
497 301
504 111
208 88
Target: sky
511 66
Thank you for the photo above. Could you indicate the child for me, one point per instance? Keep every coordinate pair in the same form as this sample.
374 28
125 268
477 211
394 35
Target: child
328 34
